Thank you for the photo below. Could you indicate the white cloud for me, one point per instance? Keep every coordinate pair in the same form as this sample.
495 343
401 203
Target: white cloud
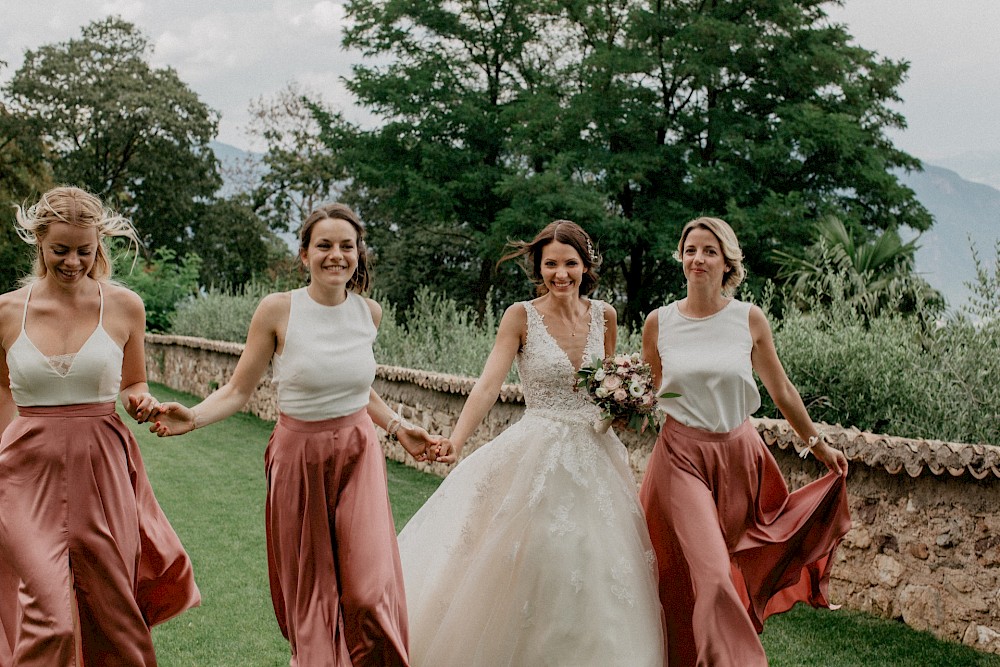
233 51
323 17
130 10
951 91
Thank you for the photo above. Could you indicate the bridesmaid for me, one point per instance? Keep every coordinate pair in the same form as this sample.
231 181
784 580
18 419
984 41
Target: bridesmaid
333 562
733 545
88 561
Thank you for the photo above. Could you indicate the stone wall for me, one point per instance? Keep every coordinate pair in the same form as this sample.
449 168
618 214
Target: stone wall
925 546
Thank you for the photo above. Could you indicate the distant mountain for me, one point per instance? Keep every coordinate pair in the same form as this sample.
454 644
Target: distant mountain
976 166
962 210
237 167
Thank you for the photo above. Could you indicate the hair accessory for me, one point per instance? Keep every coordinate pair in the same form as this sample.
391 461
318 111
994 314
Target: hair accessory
590 249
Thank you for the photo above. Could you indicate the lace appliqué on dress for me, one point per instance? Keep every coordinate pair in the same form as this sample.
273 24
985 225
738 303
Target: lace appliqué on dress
61 363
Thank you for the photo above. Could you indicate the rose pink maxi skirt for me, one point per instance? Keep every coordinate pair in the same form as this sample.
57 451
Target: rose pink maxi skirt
88 560
336 579
733 545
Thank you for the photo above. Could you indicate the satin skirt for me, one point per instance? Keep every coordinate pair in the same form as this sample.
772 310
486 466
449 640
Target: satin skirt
733 545
88 560
333 562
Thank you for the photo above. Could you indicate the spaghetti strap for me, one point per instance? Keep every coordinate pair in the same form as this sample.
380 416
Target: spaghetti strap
100 318
24 314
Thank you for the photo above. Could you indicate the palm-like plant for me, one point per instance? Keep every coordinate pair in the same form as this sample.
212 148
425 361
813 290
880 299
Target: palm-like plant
872 276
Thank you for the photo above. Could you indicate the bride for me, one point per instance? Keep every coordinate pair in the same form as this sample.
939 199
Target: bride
534 550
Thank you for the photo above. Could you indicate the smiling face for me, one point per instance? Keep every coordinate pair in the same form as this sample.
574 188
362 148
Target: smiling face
68 252
702 258
561 268
332 255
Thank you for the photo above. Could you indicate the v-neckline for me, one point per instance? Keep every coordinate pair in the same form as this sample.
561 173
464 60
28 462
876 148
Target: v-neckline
48 358
75 354
586 343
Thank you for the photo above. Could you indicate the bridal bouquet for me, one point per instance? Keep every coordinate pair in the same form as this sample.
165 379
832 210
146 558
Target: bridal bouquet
622 387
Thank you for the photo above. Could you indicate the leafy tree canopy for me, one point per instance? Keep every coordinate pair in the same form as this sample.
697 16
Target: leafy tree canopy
298 172
24 175
630 118
134 135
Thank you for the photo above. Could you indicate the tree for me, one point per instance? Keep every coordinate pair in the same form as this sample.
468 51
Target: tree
433 181
234 243
134 135
761 113
874 276
298 171
629 117
24 175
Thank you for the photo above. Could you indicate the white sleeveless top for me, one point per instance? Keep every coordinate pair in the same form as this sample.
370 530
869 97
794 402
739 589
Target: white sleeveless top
91 375
707 361
327 366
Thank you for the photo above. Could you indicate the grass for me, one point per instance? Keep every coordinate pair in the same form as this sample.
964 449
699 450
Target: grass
211 486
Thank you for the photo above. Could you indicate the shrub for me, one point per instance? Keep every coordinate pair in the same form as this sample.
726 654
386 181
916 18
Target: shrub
162 282
219 313
439 335
893 374
885 373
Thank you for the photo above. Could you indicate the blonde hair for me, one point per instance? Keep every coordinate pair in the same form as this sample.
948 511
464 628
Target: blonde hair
79 208
731 250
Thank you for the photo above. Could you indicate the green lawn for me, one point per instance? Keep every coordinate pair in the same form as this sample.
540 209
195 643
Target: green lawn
211 485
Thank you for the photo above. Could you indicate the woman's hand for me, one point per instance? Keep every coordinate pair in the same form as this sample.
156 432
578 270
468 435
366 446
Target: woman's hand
833 459
417 442
142 406
447 452
172 419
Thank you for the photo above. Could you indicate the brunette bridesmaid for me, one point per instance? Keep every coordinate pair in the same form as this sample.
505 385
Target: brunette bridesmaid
333 562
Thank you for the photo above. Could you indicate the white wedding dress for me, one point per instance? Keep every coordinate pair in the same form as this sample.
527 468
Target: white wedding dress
534 550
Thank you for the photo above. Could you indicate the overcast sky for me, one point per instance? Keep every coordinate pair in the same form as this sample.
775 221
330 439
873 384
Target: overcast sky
233 51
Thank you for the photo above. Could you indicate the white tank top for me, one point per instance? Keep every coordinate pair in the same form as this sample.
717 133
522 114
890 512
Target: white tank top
707 361
327 365
91 375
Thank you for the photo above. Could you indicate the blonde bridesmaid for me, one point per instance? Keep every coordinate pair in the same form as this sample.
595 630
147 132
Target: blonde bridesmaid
732 545
88 561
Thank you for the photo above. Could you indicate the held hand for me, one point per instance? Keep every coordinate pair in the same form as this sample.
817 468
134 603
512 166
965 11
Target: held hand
833 459
172 419
447 452
417 442
142 406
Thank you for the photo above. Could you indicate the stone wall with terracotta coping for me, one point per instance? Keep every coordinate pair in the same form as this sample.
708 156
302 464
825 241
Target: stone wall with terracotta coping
925 546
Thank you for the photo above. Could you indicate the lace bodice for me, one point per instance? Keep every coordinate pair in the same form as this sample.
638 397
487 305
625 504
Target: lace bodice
547 373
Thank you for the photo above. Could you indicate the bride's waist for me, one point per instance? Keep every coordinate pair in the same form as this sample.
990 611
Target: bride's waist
574 416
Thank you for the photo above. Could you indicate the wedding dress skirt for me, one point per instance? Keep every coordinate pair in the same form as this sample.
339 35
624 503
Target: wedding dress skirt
534 551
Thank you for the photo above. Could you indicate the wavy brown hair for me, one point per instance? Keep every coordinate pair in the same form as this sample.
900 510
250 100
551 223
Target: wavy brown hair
360 282
529 254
